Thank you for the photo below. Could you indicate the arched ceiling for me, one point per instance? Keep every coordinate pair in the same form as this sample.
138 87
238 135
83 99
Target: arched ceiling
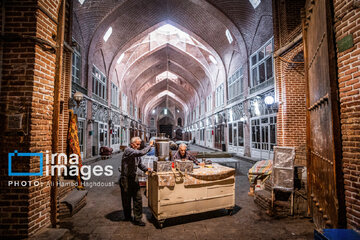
162 98
144 54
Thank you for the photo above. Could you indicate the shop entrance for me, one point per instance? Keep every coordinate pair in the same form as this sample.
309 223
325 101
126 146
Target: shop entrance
263 136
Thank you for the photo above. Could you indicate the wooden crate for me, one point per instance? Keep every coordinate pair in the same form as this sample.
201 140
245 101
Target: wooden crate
179 200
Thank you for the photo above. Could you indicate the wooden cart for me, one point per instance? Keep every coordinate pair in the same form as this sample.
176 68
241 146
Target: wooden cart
173 194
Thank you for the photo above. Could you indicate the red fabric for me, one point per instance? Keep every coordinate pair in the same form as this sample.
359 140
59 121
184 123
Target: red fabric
73 142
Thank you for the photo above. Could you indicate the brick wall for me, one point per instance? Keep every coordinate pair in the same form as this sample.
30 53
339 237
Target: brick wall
16 96
290 79
291 86
27 86
288 21
347 21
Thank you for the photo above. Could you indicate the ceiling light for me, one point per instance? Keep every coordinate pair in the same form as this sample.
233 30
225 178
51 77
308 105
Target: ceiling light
153 111
212 59
269 100
120 58
107 34
81 1
228 36
165 111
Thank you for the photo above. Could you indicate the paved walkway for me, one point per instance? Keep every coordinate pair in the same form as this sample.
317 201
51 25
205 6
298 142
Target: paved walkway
197 148
101 217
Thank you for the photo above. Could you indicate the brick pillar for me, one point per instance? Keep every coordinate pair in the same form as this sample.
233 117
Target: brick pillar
290 80
347 23
28 69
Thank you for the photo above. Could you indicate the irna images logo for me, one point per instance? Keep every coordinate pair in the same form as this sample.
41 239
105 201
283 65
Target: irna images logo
15 154
60 164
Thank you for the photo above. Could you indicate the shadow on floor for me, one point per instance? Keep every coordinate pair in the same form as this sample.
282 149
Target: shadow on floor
190 218
116 216
74 234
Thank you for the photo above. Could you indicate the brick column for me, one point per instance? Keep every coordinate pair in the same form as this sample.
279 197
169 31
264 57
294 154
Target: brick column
27 82
347 23
290 80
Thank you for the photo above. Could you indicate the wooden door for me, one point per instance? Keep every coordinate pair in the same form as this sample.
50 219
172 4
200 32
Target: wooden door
325 181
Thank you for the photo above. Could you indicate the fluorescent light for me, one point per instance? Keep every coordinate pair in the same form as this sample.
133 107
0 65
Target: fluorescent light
212 59
107 34
228 36
257 110
120 58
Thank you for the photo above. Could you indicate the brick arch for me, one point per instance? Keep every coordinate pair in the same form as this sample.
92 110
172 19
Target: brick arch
174 56
143 34
150 80
158 102
291 92
191 18
264 22
162 86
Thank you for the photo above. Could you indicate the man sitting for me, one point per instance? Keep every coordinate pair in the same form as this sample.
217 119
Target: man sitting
183 155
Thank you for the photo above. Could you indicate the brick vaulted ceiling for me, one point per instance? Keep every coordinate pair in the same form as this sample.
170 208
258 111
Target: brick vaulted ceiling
132 21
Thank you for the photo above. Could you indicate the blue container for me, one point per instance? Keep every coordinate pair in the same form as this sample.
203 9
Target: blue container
336 234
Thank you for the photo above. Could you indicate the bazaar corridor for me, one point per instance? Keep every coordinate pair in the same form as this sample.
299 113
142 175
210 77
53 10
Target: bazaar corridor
218 107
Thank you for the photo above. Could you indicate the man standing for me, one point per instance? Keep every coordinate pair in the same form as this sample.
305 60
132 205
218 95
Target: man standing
182 154
129 183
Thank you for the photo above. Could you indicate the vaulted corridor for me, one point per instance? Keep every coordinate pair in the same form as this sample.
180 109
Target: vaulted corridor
242 80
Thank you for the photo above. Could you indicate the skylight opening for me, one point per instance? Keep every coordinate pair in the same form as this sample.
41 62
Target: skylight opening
228 36
166 75
212 59
255 3
120 58
108 34
168 29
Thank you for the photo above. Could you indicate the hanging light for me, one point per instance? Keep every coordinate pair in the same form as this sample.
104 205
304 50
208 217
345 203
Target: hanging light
269 100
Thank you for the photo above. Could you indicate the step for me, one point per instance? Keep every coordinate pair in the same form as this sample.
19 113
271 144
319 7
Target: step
72 203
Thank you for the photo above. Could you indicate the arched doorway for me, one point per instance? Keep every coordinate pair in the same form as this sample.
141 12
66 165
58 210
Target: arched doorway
166 125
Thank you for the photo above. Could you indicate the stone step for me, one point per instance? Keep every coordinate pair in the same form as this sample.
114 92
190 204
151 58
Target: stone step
72 203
